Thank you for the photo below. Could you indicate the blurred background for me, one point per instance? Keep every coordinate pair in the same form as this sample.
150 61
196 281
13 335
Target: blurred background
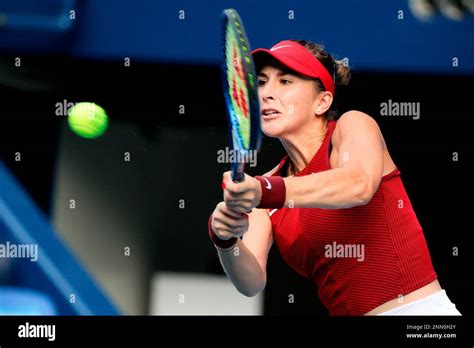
120 221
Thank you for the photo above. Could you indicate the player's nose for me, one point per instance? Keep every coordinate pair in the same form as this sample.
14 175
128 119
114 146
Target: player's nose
266 92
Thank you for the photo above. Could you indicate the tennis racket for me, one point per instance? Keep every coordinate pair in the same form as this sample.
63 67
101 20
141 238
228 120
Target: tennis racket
241 95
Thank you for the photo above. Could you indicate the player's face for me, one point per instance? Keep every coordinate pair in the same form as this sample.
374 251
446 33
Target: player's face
287 101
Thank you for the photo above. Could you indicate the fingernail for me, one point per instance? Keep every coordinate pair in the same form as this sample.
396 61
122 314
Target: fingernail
223 185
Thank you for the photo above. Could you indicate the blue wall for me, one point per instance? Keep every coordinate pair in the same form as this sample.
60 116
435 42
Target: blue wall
56 272
368 32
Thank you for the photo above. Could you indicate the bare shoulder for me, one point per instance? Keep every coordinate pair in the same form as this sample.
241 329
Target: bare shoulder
354 118
355 123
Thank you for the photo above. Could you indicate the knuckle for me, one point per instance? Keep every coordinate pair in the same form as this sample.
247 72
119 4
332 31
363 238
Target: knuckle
221 235
237 230
243 230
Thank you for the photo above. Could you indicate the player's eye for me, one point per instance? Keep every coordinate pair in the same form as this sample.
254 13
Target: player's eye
285 82
261 82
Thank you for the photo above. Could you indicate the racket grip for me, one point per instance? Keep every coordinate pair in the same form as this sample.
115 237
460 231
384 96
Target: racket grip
238 177
238 173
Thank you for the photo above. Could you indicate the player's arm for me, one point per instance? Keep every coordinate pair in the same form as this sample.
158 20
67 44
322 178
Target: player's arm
245 263
359 145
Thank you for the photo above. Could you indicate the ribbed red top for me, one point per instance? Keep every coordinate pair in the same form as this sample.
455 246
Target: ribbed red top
395 259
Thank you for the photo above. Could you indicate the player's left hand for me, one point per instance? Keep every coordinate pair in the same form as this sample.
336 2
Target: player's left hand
241 197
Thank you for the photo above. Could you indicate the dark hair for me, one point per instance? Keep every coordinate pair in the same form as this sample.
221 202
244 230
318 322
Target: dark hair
340 72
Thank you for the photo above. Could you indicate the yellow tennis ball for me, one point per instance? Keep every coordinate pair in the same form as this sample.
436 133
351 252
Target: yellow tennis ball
87 120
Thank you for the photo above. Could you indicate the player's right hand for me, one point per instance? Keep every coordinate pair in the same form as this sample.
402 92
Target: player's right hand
227 223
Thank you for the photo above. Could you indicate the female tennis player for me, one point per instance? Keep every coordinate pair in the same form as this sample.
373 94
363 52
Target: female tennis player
335 204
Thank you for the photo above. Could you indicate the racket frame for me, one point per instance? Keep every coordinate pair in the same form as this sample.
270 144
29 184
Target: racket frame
231 18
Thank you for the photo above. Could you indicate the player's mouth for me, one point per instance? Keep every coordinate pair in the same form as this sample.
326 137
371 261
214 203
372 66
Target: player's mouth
269 114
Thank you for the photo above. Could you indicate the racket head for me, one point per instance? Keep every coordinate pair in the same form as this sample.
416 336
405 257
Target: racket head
240 86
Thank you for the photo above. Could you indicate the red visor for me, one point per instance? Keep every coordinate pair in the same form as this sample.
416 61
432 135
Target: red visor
299 59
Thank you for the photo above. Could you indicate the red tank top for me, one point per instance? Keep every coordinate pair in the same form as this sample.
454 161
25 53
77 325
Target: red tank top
359 257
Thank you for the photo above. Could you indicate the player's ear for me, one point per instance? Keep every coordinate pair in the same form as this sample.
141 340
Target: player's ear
323 103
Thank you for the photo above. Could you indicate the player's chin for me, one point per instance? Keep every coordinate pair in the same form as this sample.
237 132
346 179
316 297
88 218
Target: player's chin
273 130
273 126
